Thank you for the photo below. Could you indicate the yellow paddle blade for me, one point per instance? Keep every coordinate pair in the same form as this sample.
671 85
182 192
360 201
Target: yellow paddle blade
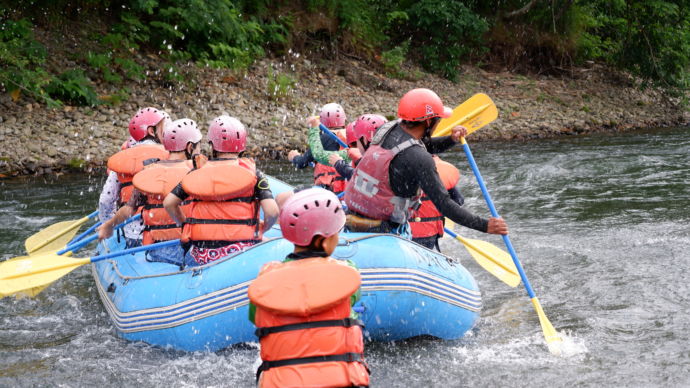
54 237
553 340
29 275
493 259
473 114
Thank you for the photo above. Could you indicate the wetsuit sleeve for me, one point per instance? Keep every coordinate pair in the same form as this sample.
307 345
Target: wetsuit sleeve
456 196
179 192
302 161
344 169
262 188
137 199
107 202
316 147
436 145
421 169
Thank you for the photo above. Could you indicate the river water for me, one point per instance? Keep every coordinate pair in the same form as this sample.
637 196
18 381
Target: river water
600 224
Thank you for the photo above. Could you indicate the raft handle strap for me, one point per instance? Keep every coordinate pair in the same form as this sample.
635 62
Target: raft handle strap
345 357
347 322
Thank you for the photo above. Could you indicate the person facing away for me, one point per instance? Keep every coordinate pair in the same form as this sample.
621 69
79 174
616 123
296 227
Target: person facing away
359 134
302 306
333 117
227 193
146 131
387 181
426 222
181 139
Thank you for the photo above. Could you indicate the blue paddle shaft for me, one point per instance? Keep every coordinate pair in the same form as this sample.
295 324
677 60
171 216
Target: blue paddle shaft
82 243
85 233
135 250
494 213
335 137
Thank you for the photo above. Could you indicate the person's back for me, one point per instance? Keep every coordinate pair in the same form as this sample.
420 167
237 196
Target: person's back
308 332
145 129
227 193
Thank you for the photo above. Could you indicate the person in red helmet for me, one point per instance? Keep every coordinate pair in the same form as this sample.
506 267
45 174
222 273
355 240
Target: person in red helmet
227 193
386 184
181 139
146 131
302 307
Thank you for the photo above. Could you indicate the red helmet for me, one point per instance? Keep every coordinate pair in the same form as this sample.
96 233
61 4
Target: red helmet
421 104
145 118
365 126
350 133
333 115
311 212
227 134
177 134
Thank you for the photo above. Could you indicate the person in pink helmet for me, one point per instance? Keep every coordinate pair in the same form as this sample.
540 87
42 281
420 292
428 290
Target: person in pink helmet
333 117
295 327
358 138
227 191
145 128
385 186
182 140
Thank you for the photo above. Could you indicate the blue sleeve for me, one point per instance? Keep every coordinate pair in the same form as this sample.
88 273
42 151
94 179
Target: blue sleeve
304 160
344 169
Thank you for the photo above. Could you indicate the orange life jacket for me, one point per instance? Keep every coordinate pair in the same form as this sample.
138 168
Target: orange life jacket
128 162
224 209
427 221
328 177
302 315
157 181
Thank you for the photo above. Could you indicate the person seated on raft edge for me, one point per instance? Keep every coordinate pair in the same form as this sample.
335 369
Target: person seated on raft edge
291 328
182 140
387 181
227 192
426 222
333 117
146 127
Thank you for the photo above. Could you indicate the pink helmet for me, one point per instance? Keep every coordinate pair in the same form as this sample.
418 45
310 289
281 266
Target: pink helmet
227 134
177 134
350 133
311 212
333 115
366 125
145 118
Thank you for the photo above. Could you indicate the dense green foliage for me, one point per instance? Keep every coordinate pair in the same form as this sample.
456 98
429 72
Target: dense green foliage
649 38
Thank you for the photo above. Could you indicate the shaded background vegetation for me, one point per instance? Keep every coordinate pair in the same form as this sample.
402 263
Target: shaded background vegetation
648 38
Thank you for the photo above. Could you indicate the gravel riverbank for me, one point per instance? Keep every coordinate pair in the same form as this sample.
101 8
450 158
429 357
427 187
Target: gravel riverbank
39 140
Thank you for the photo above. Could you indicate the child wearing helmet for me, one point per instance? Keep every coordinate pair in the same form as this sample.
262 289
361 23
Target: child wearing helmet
227 193
302 307
181 139
359 135
332 115
146 131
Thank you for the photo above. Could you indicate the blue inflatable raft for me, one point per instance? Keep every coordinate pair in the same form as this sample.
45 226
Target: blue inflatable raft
407 291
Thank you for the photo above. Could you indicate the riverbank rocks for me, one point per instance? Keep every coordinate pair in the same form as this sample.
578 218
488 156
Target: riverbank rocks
37 139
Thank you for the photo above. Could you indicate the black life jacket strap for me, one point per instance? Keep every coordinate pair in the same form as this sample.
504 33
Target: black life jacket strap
345 357
426 219
214 244
250 221
160 227
347 322
149 206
